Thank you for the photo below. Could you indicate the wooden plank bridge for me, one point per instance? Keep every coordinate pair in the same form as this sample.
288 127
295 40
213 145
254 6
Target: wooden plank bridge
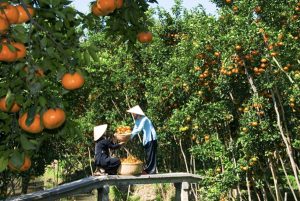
181 182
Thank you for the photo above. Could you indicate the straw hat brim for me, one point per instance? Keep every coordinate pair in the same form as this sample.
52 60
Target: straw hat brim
99 131
136 110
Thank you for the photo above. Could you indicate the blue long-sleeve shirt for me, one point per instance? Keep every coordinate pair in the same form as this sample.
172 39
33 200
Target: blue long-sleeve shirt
144 124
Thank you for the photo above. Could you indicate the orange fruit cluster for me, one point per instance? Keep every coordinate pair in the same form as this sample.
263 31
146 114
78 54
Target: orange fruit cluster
13 14
130 159
123 130
105 7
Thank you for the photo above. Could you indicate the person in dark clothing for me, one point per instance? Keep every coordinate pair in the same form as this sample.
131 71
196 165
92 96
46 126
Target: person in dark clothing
103 161
143 123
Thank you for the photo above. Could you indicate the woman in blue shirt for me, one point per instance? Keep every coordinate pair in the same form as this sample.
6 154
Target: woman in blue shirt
142 123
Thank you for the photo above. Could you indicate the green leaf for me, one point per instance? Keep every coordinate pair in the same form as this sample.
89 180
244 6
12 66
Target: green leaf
11 47
3 163
10 98
19 66
26 144
30 116
17 159
44 42
93 54
42 101
87 57
3 116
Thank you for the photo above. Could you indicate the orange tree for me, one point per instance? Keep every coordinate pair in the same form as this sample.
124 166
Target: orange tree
223 89
41 62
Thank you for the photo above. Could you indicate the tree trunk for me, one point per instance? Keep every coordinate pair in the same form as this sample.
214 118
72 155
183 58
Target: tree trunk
286 175
275 180
257 195
25 183
286 142
267 183
264 193
239 195
248 187
184 156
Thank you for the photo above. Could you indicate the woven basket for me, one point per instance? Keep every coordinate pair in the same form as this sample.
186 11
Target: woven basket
130 168
122 137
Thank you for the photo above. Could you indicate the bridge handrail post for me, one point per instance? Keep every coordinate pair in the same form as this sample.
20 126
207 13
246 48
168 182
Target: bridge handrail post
103 193
182 191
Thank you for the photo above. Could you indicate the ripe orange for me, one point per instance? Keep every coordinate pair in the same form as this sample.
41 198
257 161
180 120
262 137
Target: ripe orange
144 37
9 12
4 25
26 165
20 49
257 9
217 54
23 16
238 47
273 54
72 81
235 8
263 60
6 54
254 124
96 11
15 107
34 127
53 118
107 6
244 129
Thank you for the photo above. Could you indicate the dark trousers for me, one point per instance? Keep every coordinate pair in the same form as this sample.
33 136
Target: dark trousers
150 151
110 164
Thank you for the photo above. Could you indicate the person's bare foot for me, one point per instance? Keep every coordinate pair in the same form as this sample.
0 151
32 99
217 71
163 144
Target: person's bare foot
144 172
98 173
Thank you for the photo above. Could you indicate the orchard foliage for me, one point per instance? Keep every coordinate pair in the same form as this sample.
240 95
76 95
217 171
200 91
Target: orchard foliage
222 91
42 62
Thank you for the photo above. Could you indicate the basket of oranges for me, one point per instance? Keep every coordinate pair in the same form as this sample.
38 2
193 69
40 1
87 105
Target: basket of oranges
130 166
123 133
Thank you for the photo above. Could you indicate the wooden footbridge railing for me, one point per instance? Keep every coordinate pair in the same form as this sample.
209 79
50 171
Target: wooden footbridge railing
101 183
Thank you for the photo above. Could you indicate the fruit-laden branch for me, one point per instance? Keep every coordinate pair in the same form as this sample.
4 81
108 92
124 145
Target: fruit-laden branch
279 66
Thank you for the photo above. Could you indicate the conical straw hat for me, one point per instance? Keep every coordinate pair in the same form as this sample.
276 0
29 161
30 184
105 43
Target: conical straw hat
136 110
99 131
